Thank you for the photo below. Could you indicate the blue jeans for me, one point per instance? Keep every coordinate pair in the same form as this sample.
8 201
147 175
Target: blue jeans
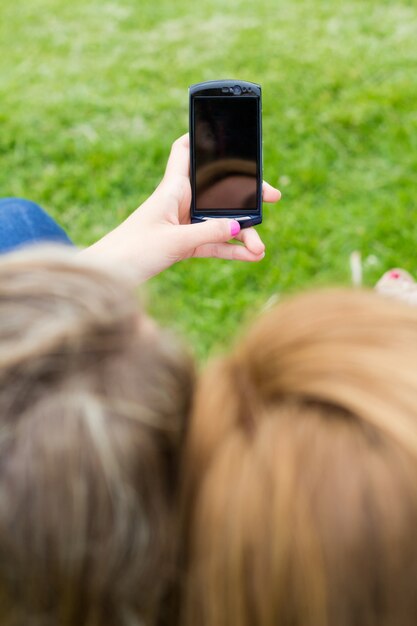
23 222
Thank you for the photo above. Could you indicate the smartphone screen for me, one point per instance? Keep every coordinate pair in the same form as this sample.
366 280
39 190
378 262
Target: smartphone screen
226 153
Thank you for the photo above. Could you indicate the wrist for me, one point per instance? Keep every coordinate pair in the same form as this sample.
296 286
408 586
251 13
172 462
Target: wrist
114 252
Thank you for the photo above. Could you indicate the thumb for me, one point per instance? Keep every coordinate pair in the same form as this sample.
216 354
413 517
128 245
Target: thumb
214 230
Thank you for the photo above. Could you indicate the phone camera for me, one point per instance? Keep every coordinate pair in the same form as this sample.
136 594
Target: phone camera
237 90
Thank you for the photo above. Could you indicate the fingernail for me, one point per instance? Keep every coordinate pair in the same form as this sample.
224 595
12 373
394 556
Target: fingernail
234 227
395 274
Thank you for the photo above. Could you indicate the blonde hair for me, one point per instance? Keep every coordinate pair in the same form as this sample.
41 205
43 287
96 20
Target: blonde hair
92 409
300 480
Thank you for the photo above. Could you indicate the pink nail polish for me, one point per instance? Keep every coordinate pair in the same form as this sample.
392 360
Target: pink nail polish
395 274
234 228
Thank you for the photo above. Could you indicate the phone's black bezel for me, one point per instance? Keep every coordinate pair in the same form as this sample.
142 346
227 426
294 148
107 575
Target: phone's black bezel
227 89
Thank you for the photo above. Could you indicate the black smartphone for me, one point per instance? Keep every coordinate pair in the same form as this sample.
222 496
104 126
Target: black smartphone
226 151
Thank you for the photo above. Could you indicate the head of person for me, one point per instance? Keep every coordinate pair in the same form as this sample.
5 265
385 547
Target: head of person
300 480
93 400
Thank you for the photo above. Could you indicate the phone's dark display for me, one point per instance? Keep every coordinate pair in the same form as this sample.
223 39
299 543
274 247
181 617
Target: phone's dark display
226 153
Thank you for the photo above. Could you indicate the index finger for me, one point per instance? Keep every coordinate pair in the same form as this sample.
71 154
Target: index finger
179 158
251 239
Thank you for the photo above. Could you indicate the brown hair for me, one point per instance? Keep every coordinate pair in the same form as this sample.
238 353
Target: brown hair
300 481
92 409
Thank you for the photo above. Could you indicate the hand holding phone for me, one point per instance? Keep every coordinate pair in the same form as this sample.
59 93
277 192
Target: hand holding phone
226 151
159 232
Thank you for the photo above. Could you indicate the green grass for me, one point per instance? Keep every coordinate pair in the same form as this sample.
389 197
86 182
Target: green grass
94 92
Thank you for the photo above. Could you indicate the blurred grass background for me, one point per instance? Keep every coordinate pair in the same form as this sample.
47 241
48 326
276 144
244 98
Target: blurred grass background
92 94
